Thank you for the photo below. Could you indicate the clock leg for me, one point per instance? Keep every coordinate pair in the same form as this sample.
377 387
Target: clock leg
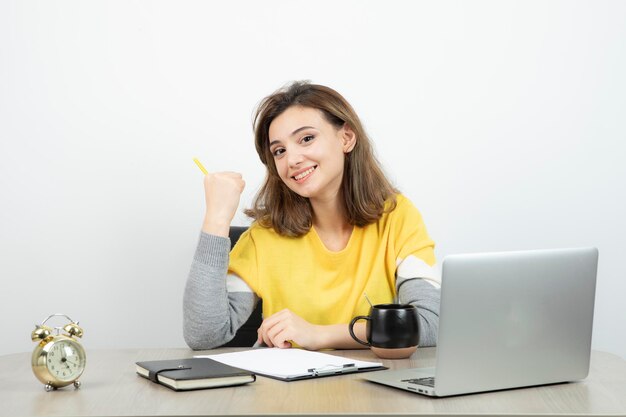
49 387
77 384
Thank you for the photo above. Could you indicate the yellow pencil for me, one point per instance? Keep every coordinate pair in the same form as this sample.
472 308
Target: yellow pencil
204 171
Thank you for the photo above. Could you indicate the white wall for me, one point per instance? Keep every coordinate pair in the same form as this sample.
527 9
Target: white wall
503 121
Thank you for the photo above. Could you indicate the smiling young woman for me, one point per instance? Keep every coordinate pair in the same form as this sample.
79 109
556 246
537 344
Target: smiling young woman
328 228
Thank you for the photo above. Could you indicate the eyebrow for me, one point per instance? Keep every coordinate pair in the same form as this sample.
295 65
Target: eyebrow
292 133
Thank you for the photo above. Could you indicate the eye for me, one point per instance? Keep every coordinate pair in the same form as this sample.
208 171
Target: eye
308 138
278 152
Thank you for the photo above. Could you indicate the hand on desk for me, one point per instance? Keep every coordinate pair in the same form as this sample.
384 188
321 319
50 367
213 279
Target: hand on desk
280 329
283 328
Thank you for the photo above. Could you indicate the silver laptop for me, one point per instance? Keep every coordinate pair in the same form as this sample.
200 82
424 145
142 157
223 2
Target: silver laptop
508 320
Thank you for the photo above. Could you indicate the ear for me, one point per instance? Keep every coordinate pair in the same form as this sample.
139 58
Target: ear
348 138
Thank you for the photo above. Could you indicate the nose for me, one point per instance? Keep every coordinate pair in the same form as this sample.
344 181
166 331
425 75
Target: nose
294 158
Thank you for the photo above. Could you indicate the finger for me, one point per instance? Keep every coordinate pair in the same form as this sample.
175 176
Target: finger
231 177
267 326
263 335
277 329
261 342
283 334
267 340
229 174
282 340
275 318
268 329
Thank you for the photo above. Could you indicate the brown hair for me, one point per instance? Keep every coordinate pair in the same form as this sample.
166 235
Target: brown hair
364 188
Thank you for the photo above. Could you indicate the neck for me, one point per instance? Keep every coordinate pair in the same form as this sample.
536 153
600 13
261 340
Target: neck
329 214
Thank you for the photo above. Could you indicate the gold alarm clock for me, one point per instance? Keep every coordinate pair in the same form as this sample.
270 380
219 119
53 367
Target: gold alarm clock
58 360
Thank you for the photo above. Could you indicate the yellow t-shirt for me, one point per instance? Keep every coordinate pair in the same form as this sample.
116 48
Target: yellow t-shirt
325 287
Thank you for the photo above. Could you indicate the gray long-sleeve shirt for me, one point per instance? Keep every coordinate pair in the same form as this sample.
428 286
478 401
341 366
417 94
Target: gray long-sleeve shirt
215 307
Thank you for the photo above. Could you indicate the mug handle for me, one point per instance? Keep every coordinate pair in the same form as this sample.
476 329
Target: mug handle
351 330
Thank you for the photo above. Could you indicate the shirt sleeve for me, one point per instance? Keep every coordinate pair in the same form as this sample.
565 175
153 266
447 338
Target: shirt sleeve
417 275
215 304
426 298
415 250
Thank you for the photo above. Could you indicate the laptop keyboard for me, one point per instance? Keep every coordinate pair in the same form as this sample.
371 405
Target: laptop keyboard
429 382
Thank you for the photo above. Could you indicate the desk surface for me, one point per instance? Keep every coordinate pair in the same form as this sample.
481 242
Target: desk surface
111 388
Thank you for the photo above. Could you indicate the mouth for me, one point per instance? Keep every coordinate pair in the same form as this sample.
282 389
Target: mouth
303 175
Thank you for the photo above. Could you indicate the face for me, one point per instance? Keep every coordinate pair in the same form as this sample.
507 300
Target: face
309 151
66 361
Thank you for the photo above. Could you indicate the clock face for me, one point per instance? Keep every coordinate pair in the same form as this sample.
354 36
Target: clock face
65 360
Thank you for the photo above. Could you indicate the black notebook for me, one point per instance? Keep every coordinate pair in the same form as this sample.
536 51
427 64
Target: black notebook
194 373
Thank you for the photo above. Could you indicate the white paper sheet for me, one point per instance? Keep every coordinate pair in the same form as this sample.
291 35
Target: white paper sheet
286 363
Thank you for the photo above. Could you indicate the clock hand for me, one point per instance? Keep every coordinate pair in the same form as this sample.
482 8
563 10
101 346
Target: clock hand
65 360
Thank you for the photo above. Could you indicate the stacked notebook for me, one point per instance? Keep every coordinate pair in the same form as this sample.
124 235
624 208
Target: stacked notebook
194 373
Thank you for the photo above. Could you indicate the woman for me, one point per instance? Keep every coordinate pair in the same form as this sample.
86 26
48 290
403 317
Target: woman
328 228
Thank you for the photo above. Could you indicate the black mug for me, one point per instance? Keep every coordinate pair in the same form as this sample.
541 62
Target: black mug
392 330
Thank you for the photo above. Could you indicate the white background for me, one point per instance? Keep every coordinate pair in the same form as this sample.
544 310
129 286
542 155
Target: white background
502 121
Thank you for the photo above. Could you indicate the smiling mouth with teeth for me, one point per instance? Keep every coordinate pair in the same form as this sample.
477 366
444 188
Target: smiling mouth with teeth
303 175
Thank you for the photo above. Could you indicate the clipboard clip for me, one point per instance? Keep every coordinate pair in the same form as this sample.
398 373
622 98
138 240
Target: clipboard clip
333 369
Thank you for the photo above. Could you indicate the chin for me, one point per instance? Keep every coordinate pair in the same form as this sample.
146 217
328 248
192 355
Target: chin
302 190
302 193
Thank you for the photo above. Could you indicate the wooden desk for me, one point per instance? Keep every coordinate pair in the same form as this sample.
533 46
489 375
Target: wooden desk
111 388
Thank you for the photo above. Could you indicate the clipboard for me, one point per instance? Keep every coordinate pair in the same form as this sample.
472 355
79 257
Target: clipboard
294 364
